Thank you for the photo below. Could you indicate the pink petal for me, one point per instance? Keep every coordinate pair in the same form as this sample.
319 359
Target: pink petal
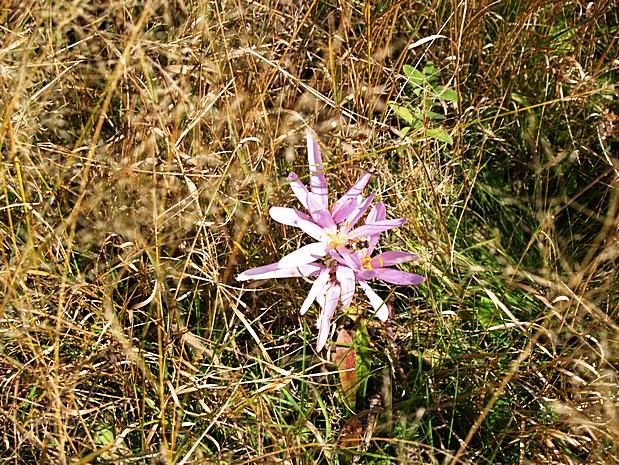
298 188
275 271
382 312
317 288
339 254
320 214
318 182
344 257
293 217
346 278
355 258
324 321
377 213
365 275
400 278
358 212
341 213
353 193
392 257
304 255
321 297
369 229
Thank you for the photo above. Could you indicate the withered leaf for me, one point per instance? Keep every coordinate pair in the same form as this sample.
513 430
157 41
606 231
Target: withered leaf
346 362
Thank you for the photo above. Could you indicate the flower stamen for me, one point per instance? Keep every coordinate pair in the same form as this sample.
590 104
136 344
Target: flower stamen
337 239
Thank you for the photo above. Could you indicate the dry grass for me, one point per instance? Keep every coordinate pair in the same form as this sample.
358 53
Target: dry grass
141 145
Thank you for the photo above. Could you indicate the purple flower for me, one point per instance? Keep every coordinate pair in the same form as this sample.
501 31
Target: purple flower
349 248
367 267
360 267
333 229
336 282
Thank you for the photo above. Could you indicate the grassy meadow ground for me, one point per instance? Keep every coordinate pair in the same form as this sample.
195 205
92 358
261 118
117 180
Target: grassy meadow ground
141 146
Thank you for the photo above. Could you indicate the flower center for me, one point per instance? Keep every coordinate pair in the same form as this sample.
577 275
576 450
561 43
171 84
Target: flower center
337 239
366 263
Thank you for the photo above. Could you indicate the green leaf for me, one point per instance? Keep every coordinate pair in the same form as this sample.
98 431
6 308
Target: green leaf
418 118
434 116
430 72
446 94
104 436
150 403
405 114
487 313
416 78
361 344
408 70
440 135
429 68
518 98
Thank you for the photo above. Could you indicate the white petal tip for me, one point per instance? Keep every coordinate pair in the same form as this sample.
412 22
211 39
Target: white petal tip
383 314
286 263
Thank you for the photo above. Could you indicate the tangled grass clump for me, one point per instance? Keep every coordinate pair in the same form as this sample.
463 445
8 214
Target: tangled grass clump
141 144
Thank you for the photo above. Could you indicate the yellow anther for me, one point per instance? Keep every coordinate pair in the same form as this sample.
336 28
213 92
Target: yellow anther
366 263
337 239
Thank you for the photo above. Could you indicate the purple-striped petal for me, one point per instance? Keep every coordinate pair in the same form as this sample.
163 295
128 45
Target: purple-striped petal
380 308
274 270
365 275
346 278
358 212
353 193
337 256
320 215
317 288
345 257
324 321
293 217
306 254
392 257
369 229
318 182
377 213
344 211
356 259
400 278
298 188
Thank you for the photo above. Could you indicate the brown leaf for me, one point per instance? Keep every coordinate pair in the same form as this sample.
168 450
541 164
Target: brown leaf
352 433
346 362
